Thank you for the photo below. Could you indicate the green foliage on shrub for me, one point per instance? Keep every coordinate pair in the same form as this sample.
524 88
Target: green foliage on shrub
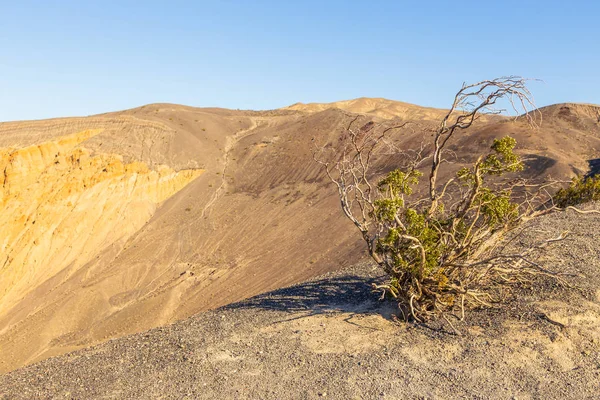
581 190
423 249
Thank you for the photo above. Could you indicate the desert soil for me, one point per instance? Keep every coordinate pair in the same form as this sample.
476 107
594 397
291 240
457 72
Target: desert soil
330 338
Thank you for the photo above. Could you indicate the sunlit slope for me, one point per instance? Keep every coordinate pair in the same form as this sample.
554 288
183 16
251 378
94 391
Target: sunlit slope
60 206
383 108
72 193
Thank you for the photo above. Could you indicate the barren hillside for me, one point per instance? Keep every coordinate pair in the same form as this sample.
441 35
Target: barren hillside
121 222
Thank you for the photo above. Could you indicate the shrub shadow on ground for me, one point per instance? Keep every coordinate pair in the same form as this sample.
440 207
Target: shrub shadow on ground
594 167
352 294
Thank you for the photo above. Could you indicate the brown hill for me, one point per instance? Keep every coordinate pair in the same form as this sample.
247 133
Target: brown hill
117 223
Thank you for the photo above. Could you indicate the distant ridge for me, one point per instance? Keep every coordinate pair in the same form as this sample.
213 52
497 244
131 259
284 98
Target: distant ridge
380 107
578 110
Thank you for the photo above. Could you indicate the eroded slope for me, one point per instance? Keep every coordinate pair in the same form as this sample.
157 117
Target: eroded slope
60 206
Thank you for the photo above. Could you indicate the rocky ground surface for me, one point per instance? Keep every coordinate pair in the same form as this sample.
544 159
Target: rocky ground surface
331 338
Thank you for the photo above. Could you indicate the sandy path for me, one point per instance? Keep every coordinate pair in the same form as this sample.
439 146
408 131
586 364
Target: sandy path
230 143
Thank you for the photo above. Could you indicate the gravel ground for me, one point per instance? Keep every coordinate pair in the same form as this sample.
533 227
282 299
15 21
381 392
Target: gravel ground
331 338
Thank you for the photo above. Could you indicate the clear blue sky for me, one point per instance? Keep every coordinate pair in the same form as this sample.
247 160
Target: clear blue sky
64 58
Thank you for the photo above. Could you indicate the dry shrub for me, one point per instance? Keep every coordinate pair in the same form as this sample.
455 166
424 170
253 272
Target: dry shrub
440 242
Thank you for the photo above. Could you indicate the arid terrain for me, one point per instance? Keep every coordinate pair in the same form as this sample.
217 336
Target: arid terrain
117 223
330 338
